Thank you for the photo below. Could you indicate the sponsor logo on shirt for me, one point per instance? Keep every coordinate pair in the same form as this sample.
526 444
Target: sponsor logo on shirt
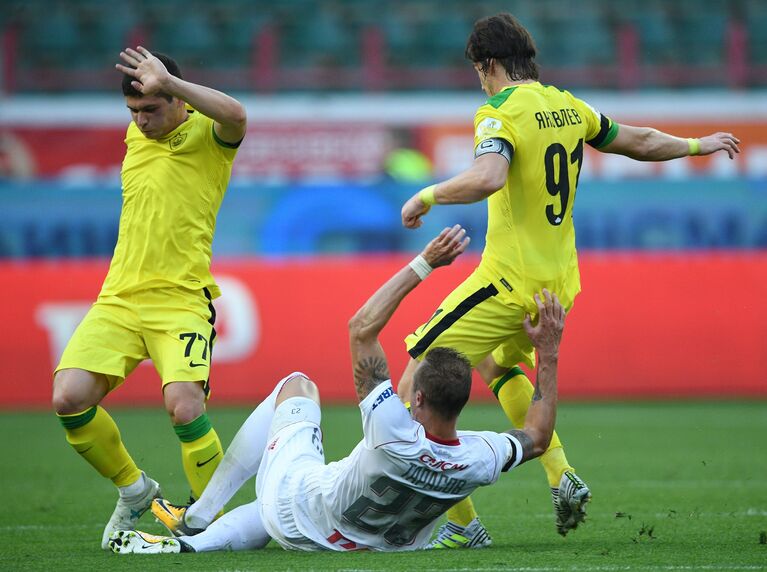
387 393
441 465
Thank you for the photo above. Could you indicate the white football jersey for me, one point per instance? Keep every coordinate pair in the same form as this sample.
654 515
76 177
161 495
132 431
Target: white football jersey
388 493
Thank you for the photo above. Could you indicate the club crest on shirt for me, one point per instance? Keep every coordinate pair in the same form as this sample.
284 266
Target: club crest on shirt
489 125
177 141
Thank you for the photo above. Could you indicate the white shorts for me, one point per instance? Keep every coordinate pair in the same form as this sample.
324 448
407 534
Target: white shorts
294 447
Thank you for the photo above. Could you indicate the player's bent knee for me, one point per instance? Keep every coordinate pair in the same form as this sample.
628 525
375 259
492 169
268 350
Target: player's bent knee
299 386
184 401
76 390
183 413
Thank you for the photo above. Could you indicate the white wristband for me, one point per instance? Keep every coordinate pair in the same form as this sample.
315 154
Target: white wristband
420 267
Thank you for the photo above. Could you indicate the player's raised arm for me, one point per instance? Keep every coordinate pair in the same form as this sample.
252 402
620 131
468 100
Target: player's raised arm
368 358
485 176
152 78
648 144
542 413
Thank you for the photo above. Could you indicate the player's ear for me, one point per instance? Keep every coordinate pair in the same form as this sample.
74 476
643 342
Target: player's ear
418 398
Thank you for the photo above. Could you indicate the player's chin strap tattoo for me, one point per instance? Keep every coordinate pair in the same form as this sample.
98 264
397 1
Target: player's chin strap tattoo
369 372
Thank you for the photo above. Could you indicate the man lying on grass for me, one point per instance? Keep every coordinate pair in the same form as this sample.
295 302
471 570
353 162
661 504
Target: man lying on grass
409 468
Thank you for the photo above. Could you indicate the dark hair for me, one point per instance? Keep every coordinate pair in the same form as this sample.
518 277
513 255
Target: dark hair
505 40
444 378
169 63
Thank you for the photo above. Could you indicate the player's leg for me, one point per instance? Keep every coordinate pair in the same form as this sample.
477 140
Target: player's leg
178 326
89 429
514 392
239 529
242 528
200 446
105 341
294 451
240 462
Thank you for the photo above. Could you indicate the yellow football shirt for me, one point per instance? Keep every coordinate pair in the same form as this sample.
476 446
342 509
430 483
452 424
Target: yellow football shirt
530 236
172 189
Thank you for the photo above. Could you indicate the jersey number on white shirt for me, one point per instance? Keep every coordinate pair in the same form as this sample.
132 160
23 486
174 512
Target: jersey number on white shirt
415 511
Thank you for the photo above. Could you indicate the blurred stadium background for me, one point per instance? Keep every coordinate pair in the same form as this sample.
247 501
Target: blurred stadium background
354 105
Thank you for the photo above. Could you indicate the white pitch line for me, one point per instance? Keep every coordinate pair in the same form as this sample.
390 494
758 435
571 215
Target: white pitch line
602 568
675 484
22 527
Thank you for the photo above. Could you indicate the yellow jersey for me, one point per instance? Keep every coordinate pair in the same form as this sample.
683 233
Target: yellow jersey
530 239
172 189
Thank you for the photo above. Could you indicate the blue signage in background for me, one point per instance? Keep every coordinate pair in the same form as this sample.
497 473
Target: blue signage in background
54 219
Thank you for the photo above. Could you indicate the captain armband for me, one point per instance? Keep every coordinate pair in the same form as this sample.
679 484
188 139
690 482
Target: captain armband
495 145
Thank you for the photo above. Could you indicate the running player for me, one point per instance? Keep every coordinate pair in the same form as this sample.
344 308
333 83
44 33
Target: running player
388 493
156 299
528 153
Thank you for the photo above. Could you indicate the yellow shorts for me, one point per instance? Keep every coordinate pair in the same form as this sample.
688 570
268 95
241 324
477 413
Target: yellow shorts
172 326
482 317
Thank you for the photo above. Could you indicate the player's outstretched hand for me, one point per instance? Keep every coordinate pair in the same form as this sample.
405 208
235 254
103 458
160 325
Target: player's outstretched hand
445 248
150 73
718 142
547 333
413 210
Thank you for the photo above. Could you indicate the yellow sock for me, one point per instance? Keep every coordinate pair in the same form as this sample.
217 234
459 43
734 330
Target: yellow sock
201 452
462 513
95 436
514 392
555 463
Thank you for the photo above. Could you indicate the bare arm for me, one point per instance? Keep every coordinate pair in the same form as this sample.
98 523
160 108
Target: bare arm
485 176
542 413
368 358
228 114
648 144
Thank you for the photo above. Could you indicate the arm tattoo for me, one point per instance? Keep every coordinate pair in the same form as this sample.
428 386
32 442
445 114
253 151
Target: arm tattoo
525 441
368 373
537 395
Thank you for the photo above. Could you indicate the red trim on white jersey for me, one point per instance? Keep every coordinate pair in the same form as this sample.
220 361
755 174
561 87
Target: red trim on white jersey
451 442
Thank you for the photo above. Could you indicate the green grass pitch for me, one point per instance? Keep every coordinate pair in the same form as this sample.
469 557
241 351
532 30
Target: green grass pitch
677 486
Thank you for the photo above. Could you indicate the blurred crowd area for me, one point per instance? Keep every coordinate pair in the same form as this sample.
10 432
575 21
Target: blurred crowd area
60 156
380 45
50 220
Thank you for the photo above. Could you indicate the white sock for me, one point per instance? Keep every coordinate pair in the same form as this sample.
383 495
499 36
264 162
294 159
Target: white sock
239 529
134 490
240 462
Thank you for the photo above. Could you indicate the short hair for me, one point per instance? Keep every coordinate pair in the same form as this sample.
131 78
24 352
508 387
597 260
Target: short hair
504 39
169 63
444 378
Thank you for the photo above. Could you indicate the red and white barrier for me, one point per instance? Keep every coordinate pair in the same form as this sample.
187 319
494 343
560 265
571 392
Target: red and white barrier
646 325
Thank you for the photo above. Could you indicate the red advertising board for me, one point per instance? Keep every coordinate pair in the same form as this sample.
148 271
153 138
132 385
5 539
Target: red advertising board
449 146
646 325
296 150
272 150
